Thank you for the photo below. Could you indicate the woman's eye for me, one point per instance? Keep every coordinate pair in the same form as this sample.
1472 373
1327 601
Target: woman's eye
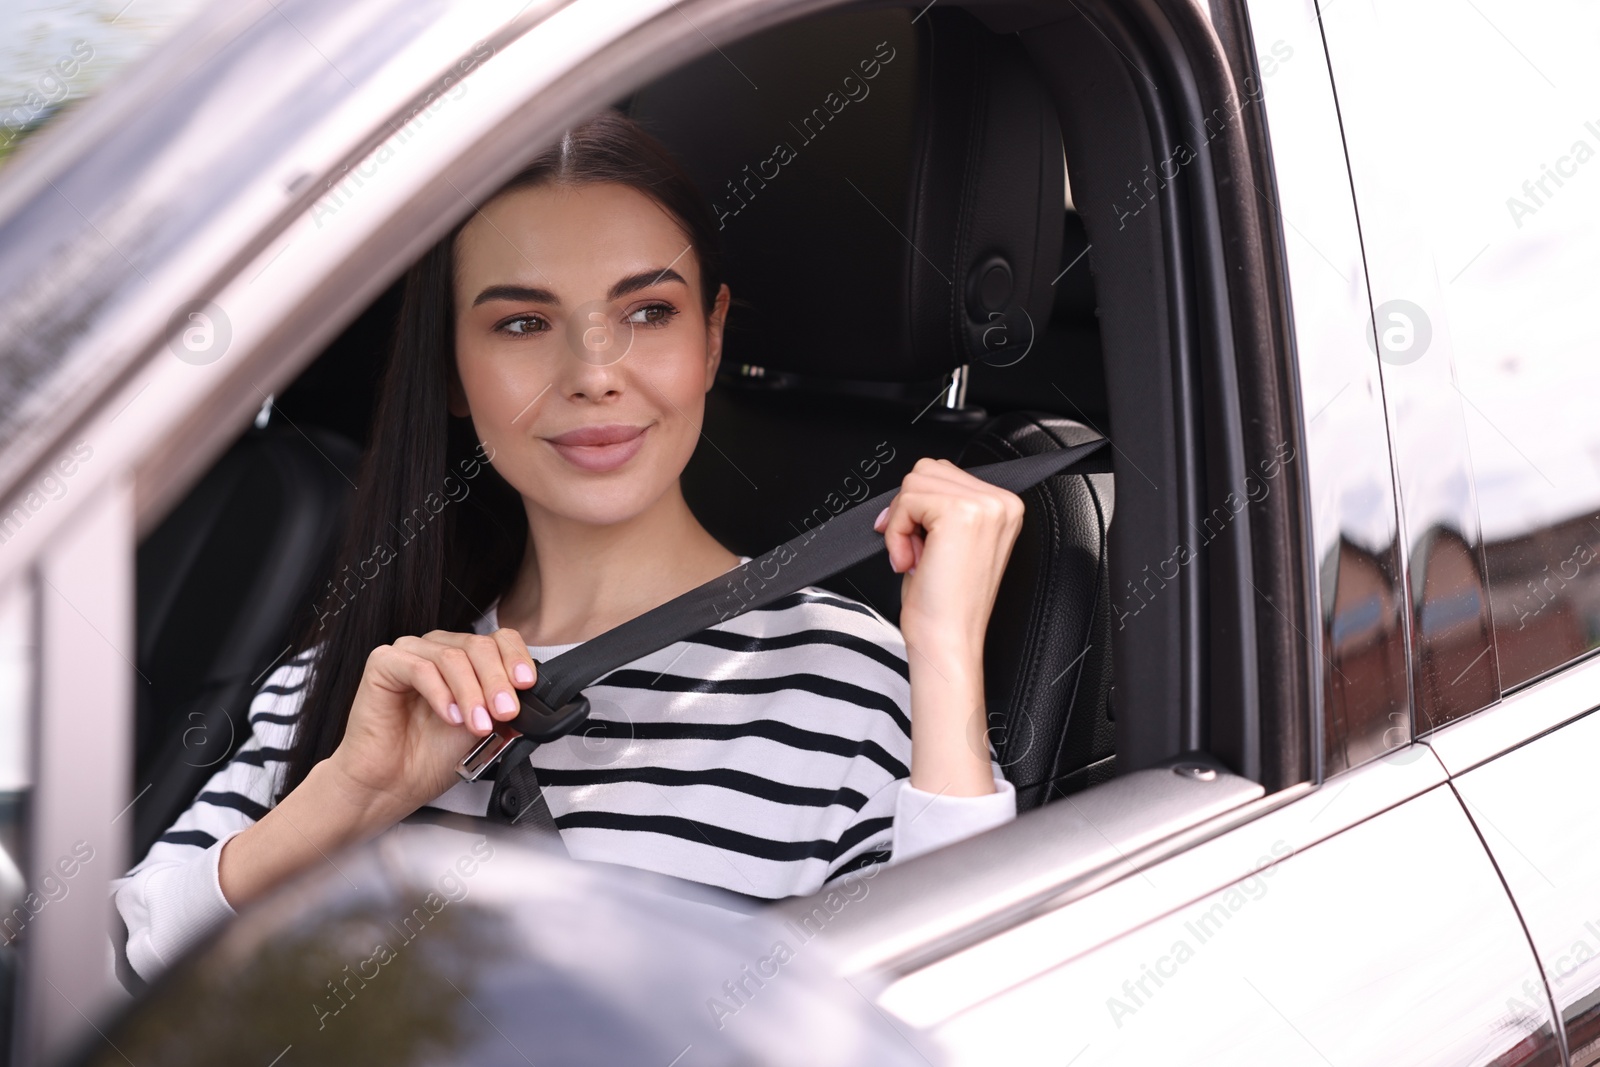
653 315
523 325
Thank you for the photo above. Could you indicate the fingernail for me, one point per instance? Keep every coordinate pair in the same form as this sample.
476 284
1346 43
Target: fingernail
454 711
523 673
480 719
504 701
877 522
913 570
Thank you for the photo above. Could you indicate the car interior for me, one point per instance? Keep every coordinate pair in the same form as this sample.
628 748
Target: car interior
916 274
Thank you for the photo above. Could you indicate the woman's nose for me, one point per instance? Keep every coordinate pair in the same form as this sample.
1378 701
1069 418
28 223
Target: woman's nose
598 339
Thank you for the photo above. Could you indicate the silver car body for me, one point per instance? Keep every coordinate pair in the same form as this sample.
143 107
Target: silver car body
1432 904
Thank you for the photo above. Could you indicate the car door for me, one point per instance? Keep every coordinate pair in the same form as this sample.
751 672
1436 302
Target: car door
1499 263
1355 921
1530 795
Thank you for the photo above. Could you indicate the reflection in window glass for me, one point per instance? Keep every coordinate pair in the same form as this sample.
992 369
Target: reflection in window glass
1475 142
54 53
1514 121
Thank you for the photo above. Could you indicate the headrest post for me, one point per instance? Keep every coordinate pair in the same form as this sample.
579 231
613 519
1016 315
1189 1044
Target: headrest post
955 397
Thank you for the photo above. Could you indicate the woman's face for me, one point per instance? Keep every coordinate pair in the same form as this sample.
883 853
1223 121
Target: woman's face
579 311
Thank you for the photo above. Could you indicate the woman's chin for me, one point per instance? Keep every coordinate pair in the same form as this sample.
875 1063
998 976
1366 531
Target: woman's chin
597 509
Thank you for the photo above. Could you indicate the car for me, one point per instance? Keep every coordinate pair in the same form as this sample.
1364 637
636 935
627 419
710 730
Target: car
1297 698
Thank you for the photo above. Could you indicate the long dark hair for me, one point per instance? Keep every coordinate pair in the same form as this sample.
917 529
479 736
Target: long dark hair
420 553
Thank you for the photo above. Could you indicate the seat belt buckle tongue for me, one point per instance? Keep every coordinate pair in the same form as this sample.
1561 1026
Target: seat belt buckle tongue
536 721
485 753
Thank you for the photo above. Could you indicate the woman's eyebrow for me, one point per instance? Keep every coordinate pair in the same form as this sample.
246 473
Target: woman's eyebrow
519 293
643 280
632 283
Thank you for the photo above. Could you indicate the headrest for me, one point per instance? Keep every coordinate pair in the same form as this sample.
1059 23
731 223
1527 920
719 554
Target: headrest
890 191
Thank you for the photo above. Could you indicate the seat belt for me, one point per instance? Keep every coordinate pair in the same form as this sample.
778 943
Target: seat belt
555 706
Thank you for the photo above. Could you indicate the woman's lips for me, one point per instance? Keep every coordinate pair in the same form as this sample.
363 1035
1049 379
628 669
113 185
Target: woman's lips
600 458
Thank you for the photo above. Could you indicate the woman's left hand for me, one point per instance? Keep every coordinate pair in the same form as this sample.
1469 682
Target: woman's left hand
955 532
951 535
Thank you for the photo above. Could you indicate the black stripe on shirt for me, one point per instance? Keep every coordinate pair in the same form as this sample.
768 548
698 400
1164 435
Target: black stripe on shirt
736 642
661 682
772 730
188 837
237 801
866 859
724 838
737 781
260 757
283 690
860 832
701 832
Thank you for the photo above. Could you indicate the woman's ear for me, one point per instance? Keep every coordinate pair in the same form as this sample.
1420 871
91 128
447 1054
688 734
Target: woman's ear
714 325
458 395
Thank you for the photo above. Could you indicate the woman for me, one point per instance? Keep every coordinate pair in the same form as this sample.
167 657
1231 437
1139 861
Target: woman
567 333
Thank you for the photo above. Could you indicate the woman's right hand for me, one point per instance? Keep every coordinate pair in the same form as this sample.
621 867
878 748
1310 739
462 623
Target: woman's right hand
399 751
422 704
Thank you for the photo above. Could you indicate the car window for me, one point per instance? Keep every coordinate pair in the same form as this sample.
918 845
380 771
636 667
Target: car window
359 210
1517 236
55 54
1490 137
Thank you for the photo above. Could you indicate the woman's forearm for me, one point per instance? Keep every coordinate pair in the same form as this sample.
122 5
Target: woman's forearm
321 815
949 724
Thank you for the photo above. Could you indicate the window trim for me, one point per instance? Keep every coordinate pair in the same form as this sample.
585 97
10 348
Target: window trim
1521 716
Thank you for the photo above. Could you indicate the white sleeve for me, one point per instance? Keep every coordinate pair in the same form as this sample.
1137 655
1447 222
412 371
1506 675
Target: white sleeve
172 897
925 821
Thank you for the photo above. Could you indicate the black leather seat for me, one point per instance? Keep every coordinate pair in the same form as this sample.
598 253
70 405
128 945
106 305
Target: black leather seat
1047 657
892 203
221 585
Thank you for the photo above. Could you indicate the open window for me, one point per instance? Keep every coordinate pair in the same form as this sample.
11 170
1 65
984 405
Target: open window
956 232
1076 184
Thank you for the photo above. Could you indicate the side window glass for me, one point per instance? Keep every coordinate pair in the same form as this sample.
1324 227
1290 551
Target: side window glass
1518 232
1491 141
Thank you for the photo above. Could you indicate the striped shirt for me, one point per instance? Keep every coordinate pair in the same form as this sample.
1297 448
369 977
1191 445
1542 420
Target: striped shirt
765 755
